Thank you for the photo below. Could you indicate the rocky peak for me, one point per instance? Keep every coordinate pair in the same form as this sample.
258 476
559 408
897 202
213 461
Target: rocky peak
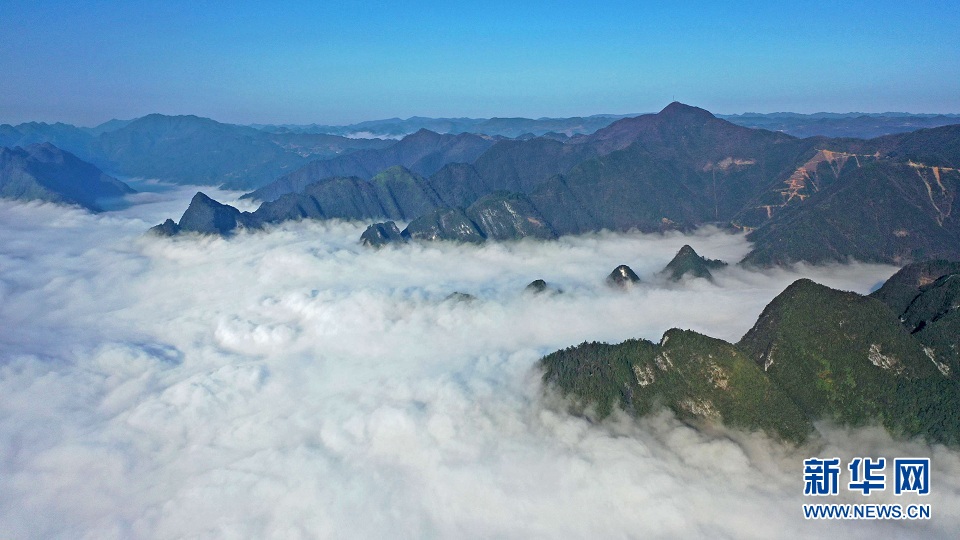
622 276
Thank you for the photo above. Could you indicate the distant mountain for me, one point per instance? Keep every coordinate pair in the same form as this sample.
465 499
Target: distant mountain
539 287
108 126
502 215
423 152
396 193
853 125
888 199
676 169
190 149
44 172
193 150
506 127
207 216
688 263
498 216
187 149
64 136
381 234
880 210
622 276
813 200
814 353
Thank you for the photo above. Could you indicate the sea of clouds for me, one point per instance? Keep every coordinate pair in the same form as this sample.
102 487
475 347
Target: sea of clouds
293 384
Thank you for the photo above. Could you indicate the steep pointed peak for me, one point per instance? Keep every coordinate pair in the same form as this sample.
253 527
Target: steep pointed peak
688 262
203 199
681 110
622 276
687 251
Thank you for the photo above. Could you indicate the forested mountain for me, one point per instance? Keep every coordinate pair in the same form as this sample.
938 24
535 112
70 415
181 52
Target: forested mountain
814 353
423 152
888 199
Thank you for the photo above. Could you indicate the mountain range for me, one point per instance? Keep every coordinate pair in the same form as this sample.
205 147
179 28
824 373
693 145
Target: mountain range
187 149
887 199
505 127
814 353
857 125
852 125
193 150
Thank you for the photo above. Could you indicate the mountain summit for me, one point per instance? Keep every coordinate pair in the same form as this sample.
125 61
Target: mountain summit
688 262
680 111
815 353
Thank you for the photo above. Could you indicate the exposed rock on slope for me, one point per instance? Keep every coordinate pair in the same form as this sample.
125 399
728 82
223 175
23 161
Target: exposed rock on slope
816 200
381 234
814 353
926 296
207 216
622 276
498 216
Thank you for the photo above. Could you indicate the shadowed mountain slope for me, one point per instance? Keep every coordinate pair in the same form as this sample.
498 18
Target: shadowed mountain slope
46 173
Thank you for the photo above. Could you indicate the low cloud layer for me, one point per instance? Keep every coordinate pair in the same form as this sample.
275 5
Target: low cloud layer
293 384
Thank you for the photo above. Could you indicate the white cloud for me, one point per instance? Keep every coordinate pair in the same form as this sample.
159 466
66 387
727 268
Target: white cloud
294 384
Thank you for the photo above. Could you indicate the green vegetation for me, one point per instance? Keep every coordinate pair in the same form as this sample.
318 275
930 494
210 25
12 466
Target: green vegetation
688 262
817 200
926 296
814 353
701 379
837 354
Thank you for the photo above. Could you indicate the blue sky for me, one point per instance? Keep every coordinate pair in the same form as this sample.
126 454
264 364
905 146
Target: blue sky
339 62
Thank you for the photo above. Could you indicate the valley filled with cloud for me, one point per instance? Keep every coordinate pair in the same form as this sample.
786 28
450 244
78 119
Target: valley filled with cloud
293 383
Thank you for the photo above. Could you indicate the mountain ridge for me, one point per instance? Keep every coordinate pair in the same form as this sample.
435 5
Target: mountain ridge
814 353
815 200
44 172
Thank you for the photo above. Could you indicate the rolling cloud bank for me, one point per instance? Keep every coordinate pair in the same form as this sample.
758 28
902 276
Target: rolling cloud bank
293 384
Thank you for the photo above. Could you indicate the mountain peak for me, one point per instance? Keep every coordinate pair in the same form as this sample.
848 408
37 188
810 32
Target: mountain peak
687 261
681 110
622 276
203 199
207 216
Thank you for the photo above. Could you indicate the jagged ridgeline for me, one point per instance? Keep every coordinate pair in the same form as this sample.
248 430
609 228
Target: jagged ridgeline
888 199
814 353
